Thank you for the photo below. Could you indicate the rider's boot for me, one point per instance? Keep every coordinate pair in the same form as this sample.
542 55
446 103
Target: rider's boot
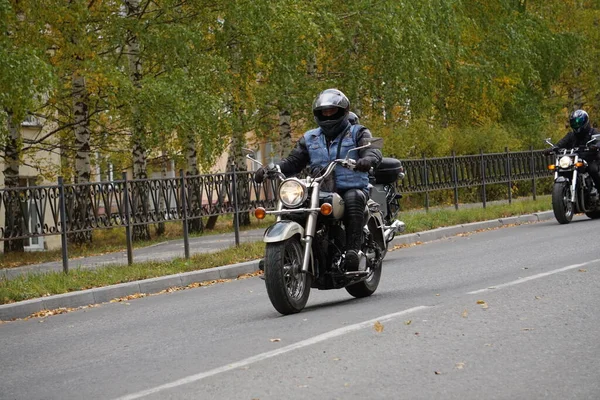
353 223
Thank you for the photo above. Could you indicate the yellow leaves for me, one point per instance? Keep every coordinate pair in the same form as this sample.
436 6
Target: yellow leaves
483 304
408 322
378 327
274 340
465 313
460 365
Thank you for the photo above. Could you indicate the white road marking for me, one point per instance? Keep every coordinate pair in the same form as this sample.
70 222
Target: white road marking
532 277
260 357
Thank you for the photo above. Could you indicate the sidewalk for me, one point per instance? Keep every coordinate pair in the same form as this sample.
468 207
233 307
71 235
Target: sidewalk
204 244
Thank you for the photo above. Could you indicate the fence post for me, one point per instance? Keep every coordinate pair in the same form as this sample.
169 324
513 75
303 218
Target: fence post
127 219
236 221
455 178
426 181
509 175
483 194
186 240
532 163
63 224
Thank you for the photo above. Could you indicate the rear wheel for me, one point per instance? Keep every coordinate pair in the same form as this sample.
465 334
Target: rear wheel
368 286
593 214
288 288
561 202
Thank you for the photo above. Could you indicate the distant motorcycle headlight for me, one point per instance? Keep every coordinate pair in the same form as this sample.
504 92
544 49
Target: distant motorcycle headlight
292 193
565 162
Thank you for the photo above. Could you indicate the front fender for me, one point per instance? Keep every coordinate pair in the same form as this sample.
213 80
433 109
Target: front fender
561 179
282 230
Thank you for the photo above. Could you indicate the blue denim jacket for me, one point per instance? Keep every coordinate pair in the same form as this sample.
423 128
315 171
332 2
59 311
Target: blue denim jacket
320 155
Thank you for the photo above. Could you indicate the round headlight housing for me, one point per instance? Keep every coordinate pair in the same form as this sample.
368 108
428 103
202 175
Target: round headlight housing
565 162
292 193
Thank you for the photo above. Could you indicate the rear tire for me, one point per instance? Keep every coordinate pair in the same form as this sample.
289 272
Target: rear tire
288 288
561 203
593 214
368 286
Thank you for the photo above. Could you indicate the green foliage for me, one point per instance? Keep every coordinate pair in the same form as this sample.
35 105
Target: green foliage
431 76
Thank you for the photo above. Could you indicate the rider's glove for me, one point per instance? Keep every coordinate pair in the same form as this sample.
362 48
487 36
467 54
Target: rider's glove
594 147
549 151
259 175
363 165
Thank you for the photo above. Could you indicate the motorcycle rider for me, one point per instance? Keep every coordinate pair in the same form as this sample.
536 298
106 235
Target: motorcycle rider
353 118
581 133
333 139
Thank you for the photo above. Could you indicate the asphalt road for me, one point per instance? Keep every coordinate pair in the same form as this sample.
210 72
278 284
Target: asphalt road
510 313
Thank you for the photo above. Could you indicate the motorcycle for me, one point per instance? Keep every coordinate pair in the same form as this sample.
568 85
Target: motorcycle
571 193
305 246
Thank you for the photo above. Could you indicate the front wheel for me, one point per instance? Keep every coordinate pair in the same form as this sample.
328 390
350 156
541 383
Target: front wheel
287 286
561 202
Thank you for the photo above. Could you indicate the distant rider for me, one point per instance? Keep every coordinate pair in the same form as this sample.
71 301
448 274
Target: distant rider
580 134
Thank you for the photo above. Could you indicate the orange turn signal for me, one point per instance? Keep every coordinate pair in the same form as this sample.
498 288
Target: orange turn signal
326 209
579 164
260 213
552 167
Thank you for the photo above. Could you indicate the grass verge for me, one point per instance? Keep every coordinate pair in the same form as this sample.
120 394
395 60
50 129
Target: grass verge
39 285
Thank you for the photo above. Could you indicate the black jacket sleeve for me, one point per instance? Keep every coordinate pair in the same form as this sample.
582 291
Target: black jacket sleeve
298 158
567 142
369 153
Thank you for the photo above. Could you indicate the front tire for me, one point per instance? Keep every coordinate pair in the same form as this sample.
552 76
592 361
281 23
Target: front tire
561 203
287 286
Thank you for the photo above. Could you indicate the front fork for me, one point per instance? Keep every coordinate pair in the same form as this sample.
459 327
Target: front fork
311 225
573 187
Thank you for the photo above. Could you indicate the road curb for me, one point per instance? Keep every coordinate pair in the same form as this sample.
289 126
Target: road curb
23 309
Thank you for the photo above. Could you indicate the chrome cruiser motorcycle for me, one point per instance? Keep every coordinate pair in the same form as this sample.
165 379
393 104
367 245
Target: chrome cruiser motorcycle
305 246
573 184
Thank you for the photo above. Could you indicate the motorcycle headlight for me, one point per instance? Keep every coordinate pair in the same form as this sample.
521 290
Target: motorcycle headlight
565 162
292 193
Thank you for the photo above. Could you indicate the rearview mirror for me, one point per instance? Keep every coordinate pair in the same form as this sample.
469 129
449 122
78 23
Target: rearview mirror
248 152
376 143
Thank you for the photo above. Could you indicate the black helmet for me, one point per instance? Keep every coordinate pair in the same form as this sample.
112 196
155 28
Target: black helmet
580 122
331 109
353 118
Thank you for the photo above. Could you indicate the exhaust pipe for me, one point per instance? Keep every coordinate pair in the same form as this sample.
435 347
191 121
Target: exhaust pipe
391 230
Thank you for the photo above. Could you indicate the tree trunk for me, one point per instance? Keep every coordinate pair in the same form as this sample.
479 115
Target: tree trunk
82 207
160 227
243 186
139 189
14 219
195 224
284 146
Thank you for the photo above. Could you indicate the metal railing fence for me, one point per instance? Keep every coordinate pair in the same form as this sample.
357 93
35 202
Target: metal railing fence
66 209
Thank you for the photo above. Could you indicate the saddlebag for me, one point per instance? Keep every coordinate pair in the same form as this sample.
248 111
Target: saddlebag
388 171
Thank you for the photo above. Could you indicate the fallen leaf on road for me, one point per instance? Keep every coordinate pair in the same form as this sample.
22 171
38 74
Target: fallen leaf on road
408 322
460 365
483 304
465 313
527 329
437 372
583 270
378 327
275 340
